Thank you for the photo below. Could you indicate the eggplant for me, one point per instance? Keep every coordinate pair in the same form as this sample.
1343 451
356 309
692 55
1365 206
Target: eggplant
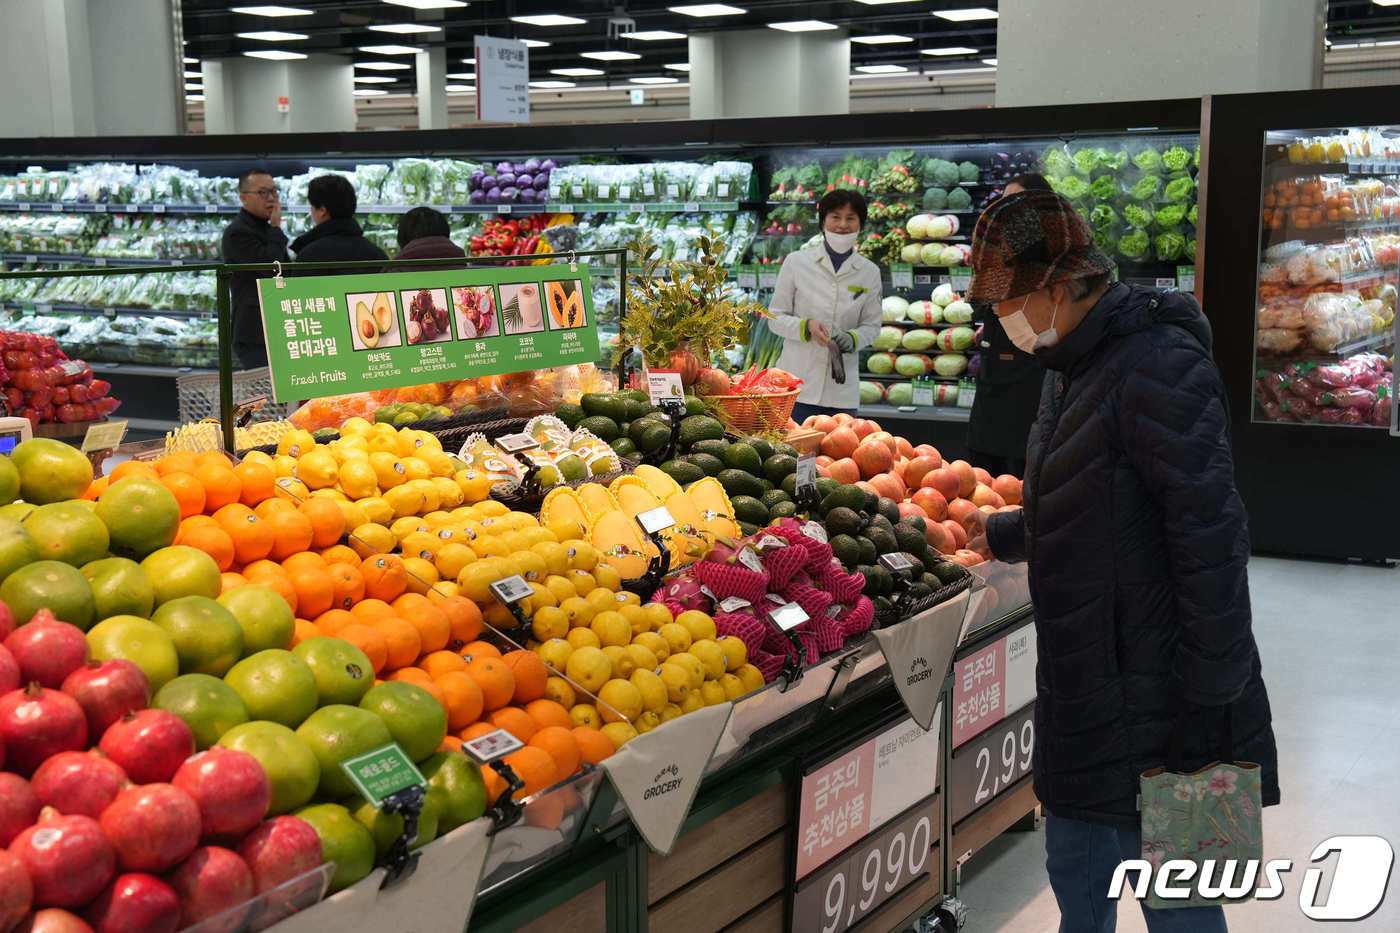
477 197
504 167
476 178
488 182
505 179
548 165
525 180
510 193
493 196
528 195
542 181
532 165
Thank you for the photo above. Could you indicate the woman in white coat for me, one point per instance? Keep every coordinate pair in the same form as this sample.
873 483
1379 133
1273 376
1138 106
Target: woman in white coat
825 307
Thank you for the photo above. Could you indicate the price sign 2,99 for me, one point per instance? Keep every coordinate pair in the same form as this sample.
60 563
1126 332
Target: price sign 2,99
876 869
991 763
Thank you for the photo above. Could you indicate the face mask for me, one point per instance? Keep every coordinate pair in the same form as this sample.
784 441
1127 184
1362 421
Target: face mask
841 242
1026 338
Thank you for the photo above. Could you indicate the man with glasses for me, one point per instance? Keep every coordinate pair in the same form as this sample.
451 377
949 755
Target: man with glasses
255 235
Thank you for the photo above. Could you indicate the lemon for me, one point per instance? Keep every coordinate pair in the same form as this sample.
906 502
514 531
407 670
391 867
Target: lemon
692 666
620 732
607 577
369 539
628 597
711 655
657 615
693 701
652 689
476 578
750 676
736 653
698 623
583 638
451 558
677 681
636 618
582 580
439 464
611 628
382 444
425 487
670 711
601 600
541 597
258 457
658 646
561 588
559 690
388 469
415 469
404 500
622 663
619 700
376 509
712 693
295 443
589 668
556 556
646 722
421 574
677 636
358 479
577 610
290 488
475 486
733 687
490 509
354 515
403 527
421 544
449 493
528 564
586 714
549 622
447 588
582 555
356 426
642 657
318 469
555 652
489 546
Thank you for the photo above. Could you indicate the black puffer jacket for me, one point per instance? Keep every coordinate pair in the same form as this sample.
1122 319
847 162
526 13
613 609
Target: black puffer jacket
339 239
1137 545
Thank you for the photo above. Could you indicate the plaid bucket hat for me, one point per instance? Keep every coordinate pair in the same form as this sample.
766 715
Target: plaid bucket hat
1029 241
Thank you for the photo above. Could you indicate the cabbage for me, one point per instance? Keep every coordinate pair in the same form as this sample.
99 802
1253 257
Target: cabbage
917 226
931 254
894 308
958 312
871 393
956 338
943 295
881 364
909 253
901 393
888 339
919 340
940 226
950 364
925 312
949 256
911 364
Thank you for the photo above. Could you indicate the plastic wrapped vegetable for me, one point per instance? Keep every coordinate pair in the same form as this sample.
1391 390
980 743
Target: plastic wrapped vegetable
1191 215
1170 246
959 200
1146 187
1134 244
1085 160
1179 189
1149 160
935 199
1114 161
1170 215
1137 216
1071 186
1057 162
1102 217
1191 249
1176 158
1106 240
968 171
1104 187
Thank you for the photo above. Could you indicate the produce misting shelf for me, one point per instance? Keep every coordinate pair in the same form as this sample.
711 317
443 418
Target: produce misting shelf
84 259
147 369
949 413
64 307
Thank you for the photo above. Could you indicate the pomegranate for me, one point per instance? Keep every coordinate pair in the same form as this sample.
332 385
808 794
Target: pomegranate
78 782
36 723
9 671
107 691
47 650
150 744
152 826
211 881
229 786
68 858
279 850
711 381
53 920
19 807
685 363
135 903
7 621
16 890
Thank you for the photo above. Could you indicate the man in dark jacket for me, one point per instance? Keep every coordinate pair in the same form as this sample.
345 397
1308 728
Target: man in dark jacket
336 236
1137 544
255 235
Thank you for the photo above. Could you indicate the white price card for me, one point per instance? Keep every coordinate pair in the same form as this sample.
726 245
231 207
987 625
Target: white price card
960 281
487 748
664 384
902 275
211 208
654 520
734 604
815 531
896 562
502 80
104 436
768 276
749 559
512 589
788 616
516 443
806 474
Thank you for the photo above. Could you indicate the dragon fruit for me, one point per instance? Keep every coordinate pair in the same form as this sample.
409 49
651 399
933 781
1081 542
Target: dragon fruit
812 600
782 562
843 586
743 626
726 580
684 592
857 618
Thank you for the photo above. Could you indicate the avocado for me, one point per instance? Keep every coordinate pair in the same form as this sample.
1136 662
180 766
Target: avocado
625 429
624 447
700 428
760 444
607 405
778 466
739 483
826 485
843 497
652 436
880 521
930 557
783 509
772 497
919 590
883 604
634 408
872 503
603 427
846 549
868 554
843 521
930 581
915 567
888 508
749 509
713 448
741 456
947 571
909 539
878 581
789 484
748 529
917 522
766 484
709 464
383 313
636 395
882 538
696 406
682 472
365 327
570 413
787 450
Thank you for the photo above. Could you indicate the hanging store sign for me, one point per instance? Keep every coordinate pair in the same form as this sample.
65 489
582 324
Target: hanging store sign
330 335
502 80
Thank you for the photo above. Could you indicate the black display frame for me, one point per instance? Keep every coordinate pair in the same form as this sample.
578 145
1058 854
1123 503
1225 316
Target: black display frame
1279 467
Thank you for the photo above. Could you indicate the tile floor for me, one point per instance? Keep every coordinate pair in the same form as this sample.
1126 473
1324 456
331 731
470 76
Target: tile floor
1327 634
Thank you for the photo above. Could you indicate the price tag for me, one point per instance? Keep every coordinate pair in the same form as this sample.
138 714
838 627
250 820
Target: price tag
72 368
516 443
655 520
960 281
109 312
24 206
99 208
806 475
925 278
158 208
512 589
896 562
734 604
133 208
30 257
487 748
55 207
767 277
564 208
692 206
99 261
902 275
177 262
382 772
664 384
1165 282
771 541
922 394
43 308
502 208
749 559
211 208
104 436
746 276
815 531
991 763
1186 278
788 616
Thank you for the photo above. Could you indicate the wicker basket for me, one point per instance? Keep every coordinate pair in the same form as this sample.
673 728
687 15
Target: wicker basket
755 413
199 394
888 617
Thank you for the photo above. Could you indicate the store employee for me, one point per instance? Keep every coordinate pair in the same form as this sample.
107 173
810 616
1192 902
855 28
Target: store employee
825 306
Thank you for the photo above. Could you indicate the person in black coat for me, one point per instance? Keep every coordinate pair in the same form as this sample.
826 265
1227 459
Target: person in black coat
255 235
336 236
1137 543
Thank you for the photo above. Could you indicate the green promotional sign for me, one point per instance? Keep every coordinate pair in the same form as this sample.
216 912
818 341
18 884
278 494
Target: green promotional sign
381 772
333 334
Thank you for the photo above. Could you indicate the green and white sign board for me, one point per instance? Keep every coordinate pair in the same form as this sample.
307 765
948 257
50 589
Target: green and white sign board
334 334
386 770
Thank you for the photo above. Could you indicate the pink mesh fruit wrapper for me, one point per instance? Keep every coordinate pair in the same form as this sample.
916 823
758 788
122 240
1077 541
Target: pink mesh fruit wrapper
743 626
843 587
781 563
826 632
732 580
857 618
768 664
814 601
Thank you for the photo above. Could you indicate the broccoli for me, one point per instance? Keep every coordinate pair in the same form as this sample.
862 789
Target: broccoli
1104 187
1134 244
959 200
1176 158
945 173
1102 217
1191 215
1170 215
968 171
936 199
1137 216
1146 187
1148 160
1170 245
1057 162
1179 189
1071 186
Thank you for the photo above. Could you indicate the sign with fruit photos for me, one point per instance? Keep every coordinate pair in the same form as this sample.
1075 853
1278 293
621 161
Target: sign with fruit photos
335 334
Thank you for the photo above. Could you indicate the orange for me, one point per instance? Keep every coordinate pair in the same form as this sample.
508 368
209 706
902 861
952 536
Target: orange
494 678
593 745
304 560
194 521
450 743
433 689
315 592
341 554
530 675
292 533
133 468
367 610
384 576
230 581
256 482
278 582
437 663
187 491
327 520
304 630
264 568
462 615
475 731
180 462
547 713
480 649
252 537
464 699
212 540
270 507
404 644
369 640
432 624
213 457
332 621
516 721
495 787
535 767
559 742
412 675
221 485
96 488
348 584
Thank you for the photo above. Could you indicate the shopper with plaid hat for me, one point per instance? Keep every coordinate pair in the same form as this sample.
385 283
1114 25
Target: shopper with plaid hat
1137 544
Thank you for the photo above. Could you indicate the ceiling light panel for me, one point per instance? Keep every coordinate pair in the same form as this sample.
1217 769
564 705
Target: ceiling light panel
462 75
270 10
577 72
383 66
374 79
370 92
549 19
950 50
529 44
460 89
611 55
404 29
802 25
194 74
707 9
887 38
677 66
990 61
659 79
548 85
390 49
428 4
195 98
275 55
881 69
882 2
191 61
273 35
971 14
653 35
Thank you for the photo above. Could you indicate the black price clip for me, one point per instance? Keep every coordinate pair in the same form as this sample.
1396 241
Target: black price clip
510 591
787 618
400 863
490 750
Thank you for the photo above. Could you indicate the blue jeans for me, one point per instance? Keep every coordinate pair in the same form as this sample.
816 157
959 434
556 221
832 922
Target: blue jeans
1080 859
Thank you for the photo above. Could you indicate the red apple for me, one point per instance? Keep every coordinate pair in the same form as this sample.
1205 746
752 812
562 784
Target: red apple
78 782
279 850
53 920
9 671
150 744
68 858
211 881
36 723
16 891
7 621
152 826
135 903
47 650
19 807
107 691
229 786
